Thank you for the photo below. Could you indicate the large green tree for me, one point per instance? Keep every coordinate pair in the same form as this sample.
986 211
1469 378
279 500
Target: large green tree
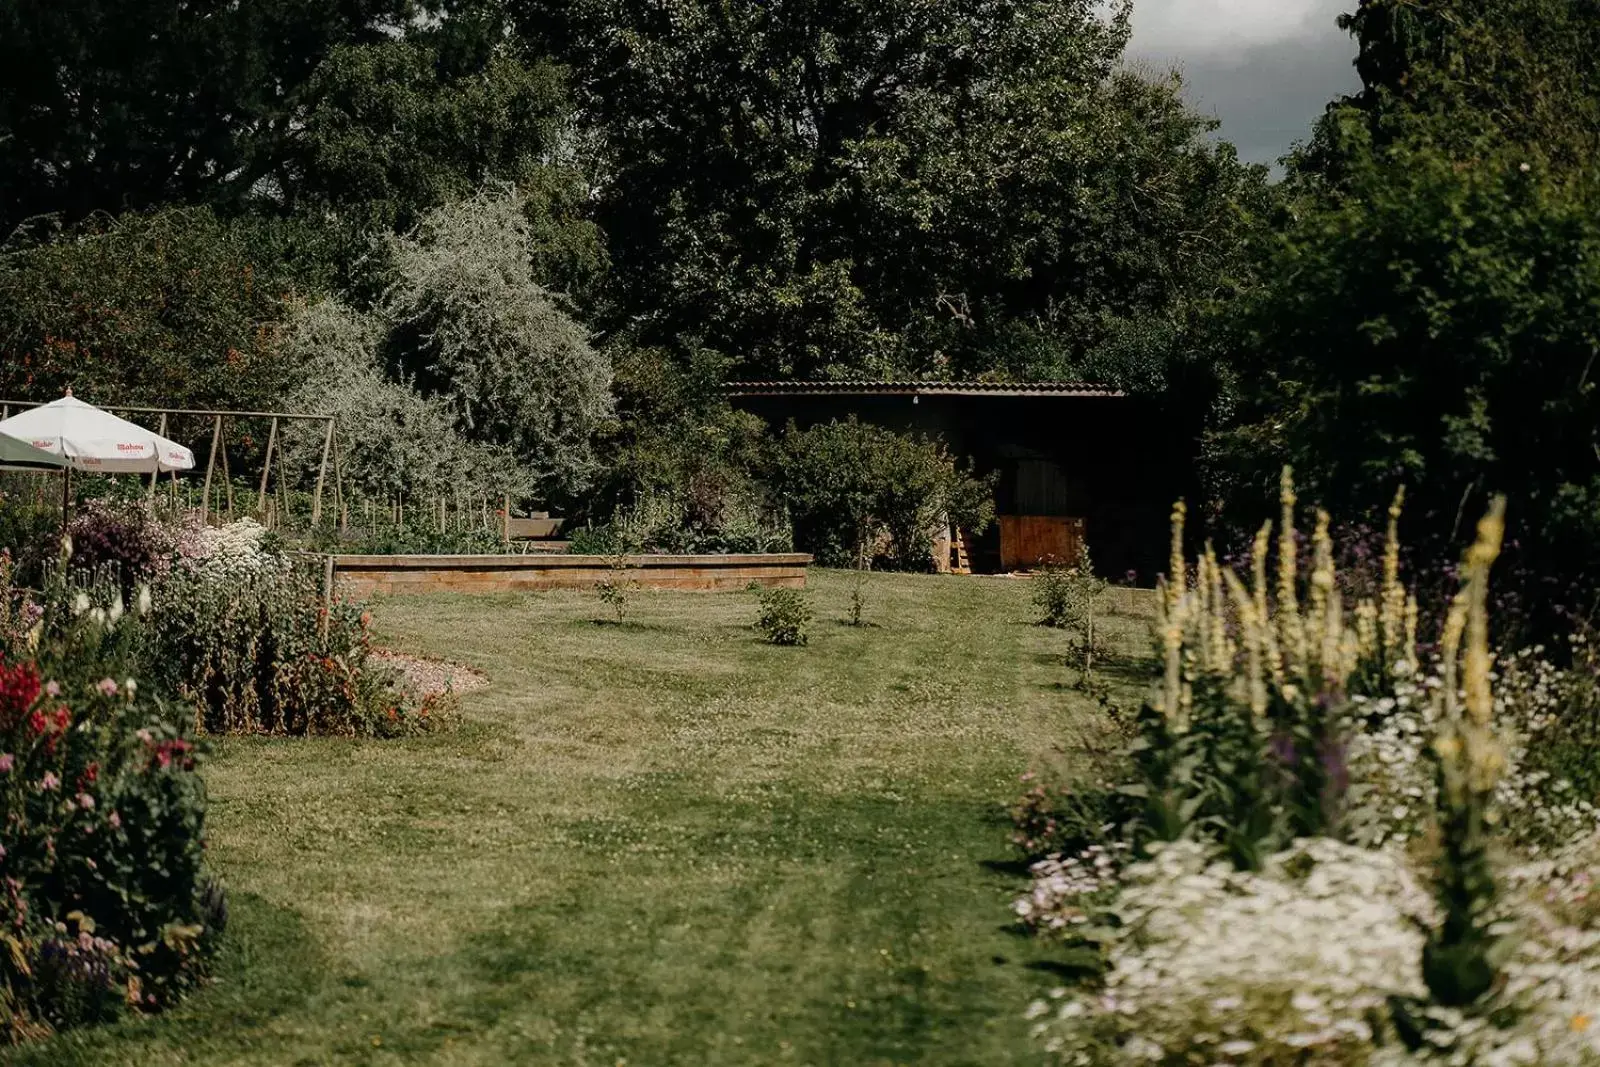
107 105
898 187
1428 313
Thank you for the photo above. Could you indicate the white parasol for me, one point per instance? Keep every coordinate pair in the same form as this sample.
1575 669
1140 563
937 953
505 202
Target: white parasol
90 439
19 455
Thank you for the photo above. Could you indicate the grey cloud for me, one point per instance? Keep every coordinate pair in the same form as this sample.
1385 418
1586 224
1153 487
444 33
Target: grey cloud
1266 94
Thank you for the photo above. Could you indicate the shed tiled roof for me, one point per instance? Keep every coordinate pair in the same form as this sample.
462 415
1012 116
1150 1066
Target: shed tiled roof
919 388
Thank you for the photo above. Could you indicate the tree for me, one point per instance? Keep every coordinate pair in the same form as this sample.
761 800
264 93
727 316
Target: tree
1427 314
896 188
395 440
472 326
174 308
849 483
112 105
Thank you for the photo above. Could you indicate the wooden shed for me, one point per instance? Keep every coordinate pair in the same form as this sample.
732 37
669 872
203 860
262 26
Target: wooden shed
1073 460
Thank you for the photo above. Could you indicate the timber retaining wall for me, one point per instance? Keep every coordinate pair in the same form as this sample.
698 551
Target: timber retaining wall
361 576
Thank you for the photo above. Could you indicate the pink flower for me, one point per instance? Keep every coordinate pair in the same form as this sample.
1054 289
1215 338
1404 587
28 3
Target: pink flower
52 688
115 821
107 687
7 761
85 801
49 781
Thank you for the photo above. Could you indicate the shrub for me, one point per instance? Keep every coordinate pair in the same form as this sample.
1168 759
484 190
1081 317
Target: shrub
124 539
850 484
784 617
245 636
615 589
107 903
677 525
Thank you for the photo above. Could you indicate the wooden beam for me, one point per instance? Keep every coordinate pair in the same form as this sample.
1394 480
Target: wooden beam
322 475
266 468
211 463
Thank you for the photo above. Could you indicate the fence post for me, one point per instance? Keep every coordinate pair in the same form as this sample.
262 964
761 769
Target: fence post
505 520
327 592
322 474
266 469
155 475
211 463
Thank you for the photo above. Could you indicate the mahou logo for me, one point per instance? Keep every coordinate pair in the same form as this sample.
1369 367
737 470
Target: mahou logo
130 448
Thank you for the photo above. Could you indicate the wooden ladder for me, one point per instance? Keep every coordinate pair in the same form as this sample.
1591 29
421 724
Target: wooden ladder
962 563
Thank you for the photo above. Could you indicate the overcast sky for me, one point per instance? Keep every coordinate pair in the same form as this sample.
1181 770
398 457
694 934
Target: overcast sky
1266 68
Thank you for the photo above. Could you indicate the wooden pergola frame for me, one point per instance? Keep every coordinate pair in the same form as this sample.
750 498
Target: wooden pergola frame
330 451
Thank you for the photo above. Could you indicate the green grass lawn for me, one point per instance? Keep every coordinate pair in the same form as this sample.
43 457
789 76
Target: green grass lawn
655 843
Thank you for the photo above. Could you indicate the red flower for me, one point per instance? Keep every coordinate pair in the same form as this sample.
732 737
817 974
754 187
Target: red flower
37 722
19 688
63 718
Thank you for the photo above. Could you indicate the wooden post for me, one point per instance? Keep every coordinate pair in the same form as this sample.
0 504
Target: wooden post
211 463
338 481
266 469
327 592
227 477
505 520
322 474
287 511
155 475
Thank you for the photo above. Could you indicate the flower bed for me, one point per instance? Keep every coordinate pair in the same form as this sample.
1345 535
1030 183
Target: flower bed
106 903
1329 849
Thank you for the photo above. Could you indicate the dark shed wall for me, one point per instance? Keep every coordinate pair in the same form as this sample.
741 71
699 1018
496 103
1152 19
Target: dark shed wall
1107 460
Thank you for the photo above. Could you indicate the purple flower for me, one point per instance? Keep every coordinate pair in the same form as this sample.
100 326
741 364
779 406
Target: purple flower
52 688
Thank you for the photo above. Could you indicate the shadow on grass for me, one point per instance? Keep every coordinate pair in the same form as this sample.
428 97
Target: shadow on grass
268 967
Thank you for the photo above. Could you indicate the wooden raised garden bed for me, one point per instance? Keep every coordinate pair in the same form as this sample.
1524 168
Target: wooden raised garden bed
364 575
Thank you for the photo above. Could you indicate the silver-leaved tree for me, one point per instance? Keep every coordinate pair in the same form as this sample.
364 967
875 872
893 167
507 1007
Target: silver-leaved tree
475 328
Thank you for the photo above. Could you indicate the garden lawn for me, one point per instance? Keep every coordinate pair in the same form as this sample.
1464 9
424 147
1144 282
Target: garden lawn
660 842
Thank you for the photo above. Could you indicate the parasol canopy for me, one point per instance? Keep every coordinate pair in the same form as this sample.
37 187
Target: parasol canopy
90 439
19 455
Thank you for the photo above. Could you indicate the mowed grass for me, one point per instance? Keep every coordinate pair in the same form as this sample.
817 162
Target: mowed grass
661 842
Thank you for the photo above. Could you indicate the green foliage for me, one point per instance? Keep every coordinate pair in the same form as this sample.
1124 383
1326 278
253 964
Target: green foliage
245 636
677 439
172 308
1052 818
202 109
107 904
1425 312
686 523
503 353
784 616
615 589
898 188
849 484
396 440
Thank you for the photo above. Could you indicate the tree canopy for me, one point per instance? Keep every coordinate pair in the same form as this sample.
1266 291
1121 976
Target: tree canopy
896 188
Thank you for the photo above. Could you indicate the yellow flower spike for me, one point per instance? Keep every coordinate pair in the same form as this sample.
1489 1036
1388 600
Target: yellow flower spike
1175 563
1477 661
1455 622
1393 594
1251 630
1221 645
1322 626
1263 612
1410 649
